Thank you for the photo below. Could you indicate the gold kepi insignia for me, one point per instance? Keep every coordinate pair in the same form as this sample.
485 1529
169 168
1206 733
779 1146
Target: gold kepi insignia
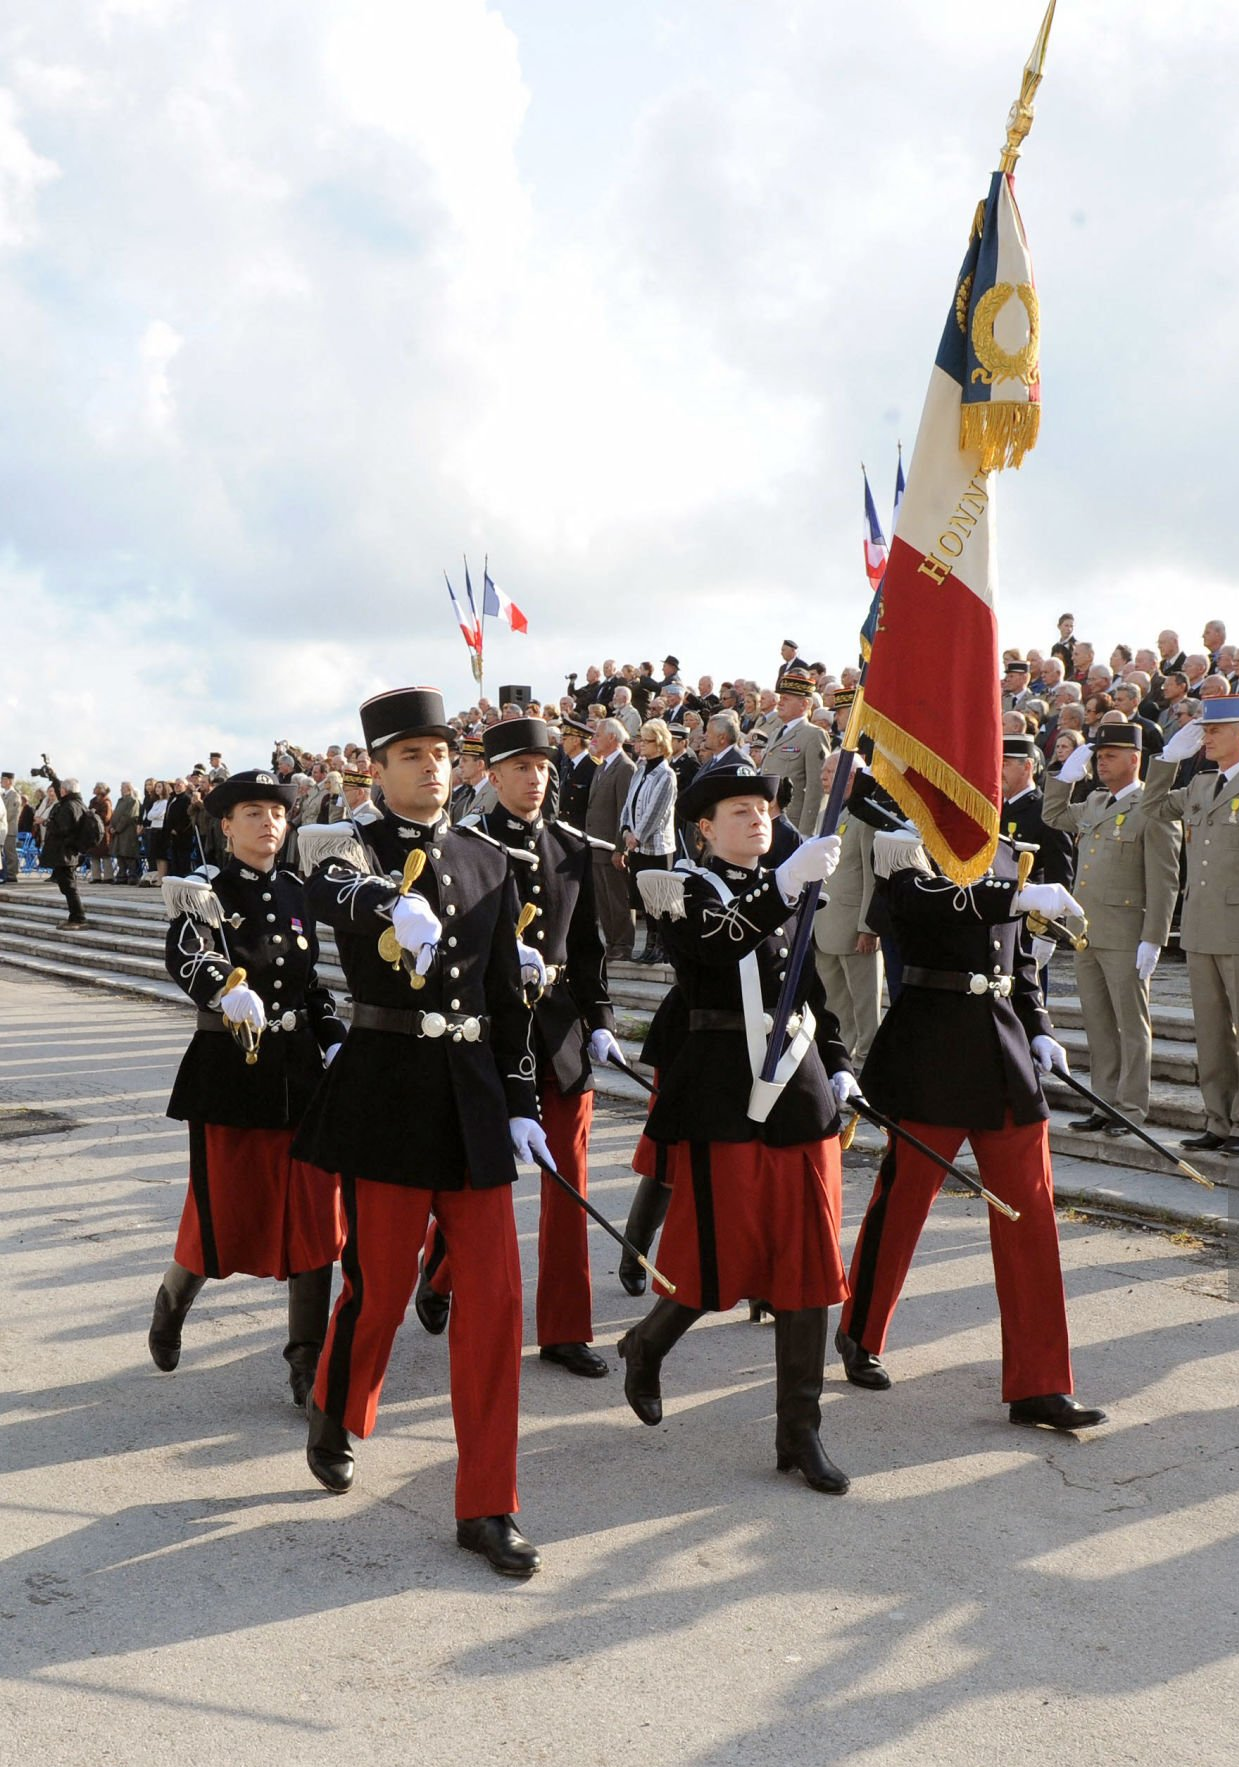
390 948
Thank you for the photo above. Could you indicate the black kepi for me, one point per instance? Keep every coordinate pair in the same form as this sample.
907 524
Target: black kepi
255 786
713 784
404 711
516 736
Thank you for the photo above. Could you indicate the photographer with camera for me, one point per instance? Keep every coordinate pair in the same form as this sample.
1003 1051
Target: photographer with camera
71 828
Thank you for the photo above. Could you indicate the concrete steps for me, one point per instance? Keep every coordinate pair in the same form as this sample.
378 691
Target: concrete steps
122 948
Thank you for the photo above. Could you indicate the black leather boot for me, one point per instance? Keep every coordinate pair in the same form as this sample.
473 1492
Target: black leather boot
309 1307
328 1451
645 1217
173 1301
643 1349
799 1355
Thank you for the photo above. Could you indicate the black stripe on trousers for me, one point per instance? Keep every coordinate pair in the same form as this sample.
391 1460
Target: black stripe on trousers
707 1243
870 1247
200 1185
340 1366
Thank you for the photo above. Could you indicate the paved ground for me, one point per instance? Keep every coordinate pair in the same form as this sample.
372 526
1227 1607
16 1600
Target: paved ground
175 1587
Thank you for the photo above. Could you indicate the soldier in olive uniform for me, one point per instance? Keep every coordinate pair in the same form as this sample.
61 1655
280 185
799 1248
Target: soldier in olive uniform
797 749
846 946
1209 811
1127 878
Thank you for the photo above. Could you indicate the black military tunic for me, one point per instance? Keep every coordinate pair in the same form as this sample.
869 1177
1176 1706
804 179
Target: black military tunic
565 934
957 1057
705 1079
444 1102
1021 820
268 930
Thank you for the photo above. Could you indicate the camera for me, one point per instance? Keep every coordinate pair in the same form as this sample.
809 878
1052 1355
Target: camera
43 772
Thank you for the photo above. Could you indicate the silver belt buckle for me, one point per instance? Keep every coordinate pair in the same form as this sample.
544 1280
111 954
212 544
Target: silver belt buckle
552 973
433 1025
288 1022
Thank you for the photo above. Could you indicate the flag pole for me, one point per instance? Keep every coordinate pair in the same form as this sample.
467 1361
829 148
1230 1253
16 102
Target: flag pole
765 1091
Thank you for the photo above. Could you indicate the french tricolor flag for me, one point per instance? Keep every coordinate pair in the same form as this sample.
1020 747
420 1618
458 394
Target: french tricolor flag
875 540
495 602
939 754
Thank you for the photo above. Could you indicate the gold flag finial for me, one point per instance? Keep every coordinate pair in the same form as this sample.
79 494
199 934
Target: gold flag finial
1020 118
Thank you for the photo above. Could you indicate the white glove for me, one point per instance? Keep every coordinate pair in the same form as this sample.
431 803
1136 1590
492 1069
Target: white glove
533 969
417 927
1052 900
602 1046
844 1086
241 1006
812 862
1184 743
529 1141
1042 950
1049 1056
1076 765
331 1054
1146 959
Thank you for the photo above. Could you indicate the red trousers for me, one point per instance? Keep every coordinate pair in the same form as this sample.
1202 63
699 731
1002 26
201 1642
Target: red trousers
251 1208
755 1221
565 1302
386 1226
1014 1163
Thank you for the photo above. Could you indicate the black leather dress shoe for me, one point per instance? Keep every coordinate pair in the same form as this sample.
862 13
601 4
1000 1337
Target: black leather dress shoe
641 1385
1230 1145
862 1369
1207 1142
431 1308
805 1454
327 1451
1057 1411
501 1542
1091 1123
164 1338
577 1359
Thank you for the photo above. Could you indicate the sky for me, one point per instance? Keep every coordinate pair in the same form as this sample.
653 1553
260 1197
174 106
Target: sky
300 302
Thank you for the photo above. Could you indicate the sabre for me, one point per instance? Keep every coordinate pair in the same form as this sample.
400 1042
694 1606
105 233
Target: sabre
865 1109
596 1215
1188 1171
246 1038
624 1068
390 948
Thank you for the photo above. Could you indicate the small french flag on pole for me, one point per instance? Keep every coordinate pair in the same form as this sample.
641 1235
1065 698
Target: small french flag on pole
500 606
875 541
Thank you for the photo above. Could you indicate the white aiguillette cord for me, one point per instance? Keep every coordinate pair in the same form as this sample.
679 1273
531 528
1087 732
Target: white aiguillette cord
765 1093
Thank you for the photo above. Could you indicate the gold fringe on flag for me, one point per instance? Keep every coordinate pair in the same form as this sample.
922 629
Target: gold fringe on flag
1002 432
890 737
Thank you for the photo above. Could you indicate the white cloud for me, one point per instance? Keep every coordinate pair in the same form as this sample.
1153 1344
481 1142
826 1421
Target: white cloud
23 173
298 301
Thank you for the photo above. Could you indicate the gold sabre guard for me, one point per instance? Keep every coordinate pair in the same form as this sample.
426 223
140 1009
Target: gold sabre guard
243 1035
524 920
390 948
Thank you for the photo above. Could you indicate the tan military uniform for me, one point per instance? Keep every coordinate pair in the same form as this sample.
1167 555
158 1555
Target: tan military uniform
853 982
1209 932
1127 878
798 755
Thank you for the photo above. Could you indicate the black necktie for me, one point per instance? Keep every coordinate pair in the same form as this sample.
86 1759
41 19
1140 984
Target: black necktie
1111 801
1220 789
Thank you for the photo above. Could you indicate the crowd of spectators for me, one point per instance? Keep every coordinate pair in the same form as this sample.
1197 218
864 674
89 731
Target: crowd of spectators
659 726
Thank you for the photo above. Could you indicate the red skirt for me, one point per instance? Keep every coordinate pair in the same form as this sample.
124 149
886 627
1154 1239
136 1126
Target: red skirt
649 1159
756 1222
251 1209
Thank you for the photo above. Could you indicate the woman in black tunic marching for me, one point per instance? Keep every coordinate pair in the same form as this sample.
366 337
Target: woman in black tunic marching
242 946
